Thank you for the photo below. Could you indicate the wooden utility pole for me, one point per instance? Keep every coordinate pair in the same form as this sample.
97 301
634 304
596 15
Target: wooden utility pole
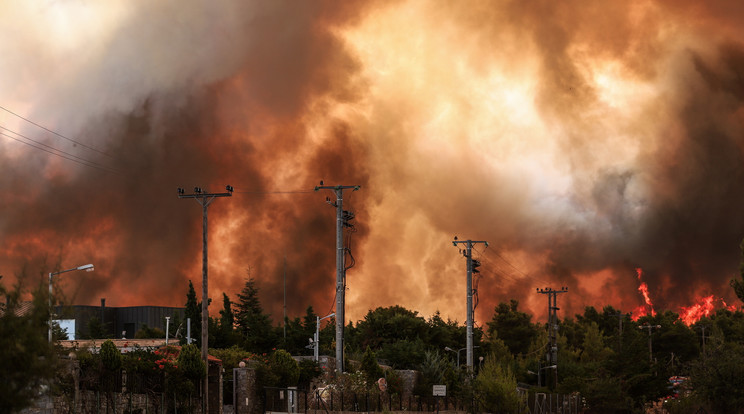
205 199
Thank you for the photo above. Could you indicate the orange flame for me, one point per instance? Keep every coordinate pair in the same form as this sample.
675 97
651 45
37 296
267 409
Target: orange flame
643 310
691 314
705 306
732 308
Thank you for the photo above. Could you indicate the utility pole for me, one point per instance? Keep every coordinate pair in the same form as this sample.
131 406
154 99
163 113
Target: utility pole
552 356
284 321
650 328
472 267
205 199
620 316
341 221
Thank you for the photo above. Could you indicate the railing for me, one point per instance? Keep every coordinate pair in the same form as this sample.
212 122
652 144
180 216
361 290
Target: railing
290 400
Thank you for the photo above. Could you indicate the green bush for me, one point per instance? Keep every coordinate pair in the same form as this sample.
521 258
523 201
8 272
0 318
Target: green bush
191 364
309 370
285 368
110 356
370 368
497 387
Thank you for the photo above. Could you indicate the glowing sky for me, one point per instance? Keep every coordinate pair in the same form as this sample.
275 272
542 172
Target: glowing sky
582 140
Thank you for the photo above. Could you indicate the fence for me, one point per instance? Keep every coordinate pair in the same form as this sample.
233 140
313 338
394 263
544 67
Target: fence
122 392
542 403
290 400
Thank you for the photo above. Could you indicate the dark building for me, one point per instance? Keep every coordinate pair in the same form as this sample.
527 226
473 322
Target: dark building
121 322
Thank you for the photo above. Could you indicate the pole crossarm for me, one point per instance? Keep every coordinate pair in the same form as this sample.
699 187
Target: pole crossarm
205 199
340 268
338 187
469 296
650 329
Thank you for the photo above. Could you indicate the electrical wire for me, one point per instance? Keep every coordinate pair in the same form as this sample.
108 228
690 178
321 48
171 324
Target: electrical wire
55 132
509 275
276 192
57 152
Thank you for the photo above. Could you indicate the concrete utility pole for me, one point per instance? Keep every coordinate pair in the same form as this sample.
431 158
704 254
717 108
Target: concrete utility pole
205 199
553 326
472 266
340 270
650 328
284 321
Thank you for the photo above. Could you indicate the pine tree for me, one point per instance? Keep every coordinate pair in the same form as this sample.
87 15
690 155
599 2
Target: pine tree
224 332
193 311
253 324
309 321
227 318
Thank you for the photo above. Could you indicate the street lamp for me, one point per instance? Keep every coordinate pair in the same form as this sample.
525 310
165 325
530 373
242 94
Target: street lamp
316 338
539 371
87 268
446 348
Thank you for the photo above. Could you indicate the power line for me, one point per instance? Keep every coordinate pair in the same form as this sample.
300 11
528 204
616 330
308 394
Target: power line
55 132
517 270
57 152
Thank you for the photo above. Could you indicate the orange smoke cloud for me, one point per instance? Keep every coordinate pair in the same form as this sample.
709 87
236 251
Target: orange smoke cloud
580 140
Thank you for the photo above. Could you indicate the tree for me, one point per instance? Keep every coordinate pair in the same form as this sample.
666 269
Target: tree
387 325
191 364
224 334
253 324
193 311
110 356
28 359
285 368
719 379
496 386
404 353
96 329
370 367
738 284
513 327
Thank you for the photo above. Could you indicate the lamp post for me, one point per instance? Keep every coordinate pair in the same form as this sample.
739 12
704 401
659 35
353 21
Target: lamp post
446 348
540 370
87 268
316 340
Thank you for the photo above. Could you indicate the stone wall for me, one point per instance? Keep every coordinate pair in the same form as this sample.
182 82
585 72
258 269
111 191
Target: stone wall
246 398
409 378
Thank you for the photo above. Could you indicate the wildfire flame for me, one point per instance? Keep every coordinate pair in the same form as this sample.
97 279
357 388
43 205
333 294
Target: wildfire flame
643 310
688 314
705 306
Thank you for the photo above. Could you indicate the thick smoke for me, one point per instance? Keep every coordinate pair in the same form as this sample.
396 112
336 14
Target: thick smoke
582 141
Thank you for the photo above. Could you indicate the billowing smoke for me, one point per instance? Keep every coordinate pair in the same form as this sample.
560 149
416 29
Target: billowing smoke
582 141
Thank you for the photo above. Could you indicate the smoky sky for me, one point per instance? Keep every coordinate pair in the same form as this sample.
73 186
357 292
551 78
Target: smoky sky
581 141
